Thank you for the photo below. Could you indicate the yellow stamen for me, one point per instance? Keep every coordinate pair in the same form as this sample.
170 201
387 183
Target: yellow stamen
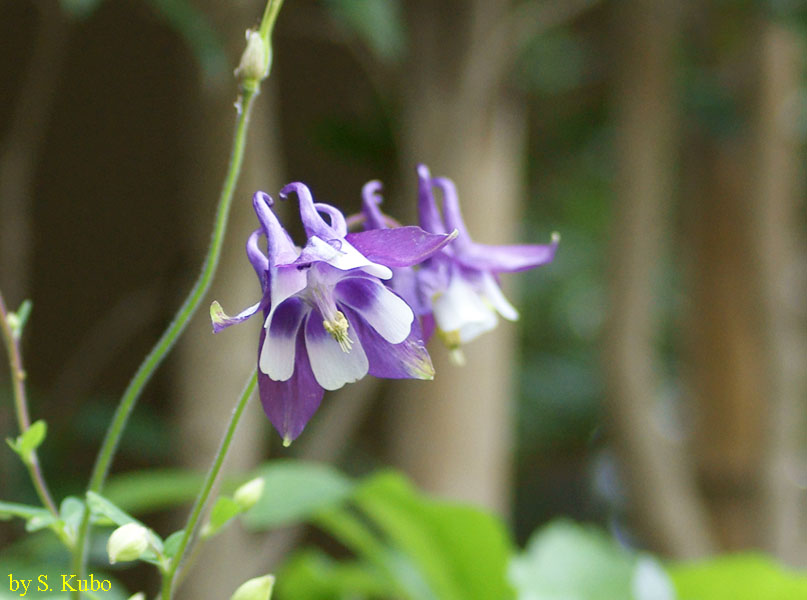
338 330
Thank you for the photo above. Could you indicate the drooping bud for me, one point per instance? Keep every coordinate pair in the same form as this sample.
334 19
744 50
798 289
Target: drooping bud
256 59
127 542
248 494
259 588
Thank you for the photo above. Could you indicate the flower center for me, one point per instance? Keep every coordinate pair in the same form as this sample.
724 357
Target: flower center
338 327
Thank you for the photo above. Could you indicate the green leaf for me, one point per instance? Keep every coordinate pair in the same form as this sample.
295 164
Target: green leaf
462 551
312 575
738 577
151 490
32 438
566 560
224 509
9 510
377 23
100 506
294 492
71 511
172 543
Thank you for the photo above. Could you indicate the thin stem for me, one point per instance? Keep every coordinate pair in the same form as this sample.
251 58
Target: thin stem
207 487
15 365
170 336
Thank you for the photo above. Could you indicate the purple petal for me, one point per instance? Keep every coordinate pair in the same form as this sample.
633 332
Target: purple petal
399 247
222 321
278 350
407 360
332 366
256 257
451 212
370 199
338 223
290 404
280 247
383 310
427 208
509 259
313 223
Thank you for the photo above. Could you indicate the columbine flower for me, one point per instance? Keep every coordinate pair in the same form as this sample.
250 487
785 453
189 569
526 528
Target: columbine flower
460 284
328 318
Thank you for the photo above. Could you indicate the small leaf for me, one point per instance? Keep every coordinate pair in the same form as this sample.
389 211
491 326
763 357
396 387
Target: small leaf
224 509
17 320
101 506
32 438
9 510
172 543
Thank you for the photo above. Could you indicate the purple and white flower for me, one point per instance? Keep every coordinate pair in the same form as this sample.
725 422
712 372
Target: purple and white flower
459 285
328 318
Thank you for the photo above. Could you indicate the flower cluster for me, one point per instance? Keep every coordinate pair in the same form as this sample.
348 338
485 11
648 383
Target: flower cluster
348 304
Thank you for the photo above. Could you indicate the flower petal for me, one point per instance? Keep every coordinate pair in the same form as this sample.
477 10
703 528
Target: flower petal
510 259
278 350
382 309
370 199
257 258
280 247
284 282
399 247
427 207
338 223
406 360
222 321
493 294
333 367
313 223
290 404
341 255
460 312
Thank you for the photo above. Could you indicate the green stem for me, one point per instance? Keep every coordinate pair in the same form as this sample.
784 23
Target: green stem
207 487
15 365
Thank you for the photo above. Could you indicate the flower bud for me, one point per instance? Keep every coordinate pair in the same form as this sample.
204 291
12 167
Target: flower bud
248 494
256 59
127 542
138 596
259 588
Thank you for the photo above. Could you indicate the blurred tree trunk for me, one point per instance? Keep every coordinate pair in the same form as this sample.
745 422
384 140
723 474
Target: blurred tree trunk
662 488
777 244
453 435
211 371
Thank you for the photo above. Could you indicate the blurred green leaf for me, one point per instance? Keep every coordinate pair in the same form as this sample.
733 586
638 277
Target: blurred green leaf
71 511
150 490
9 510
195 28
462 551
740 577
377 23
312 575
172 543
32 438
567 560
103 507
223 510
294 491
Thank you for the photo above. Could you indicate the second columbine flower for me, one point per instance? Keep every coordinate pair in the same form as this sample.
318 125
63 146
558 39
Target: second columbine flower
329 320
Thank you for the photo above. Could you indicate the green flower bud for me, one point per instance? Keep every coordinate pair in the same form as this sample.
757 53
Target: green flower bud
248 494
138 596
256 59
259 588
127 542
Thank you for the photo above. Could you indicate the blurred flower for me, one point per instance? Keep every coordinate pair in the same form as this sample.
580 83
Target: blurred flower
328 318
459 285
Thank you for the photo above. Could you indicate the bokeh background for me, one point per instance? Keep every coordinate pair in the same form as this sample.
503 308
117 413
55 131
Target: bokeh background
656 380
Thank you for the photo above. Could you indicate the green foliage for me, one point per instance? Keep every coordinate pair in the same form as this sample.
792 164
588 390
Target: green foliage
740 577
149 490
567 560
313 575
29 440
378 24
223 511
294 491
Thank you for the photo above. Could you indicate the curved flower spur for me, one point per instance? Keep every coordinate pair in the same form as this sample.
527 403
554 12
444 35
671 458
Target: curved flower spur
328 318
456 291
